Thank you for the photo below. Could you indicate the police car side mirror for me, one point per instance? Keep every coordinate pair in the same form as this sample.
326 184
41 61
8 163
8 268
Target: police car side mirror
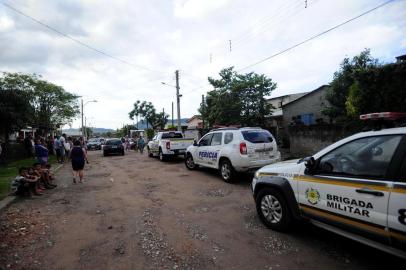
195 143
310 164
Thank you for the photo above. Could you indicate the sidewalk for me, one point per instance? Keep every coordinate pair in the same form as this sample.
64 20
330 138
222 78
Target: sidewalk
10 199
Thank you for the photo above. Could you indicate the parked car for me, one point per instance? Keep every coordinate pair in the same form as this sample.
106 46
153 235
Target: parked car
113 146
355 187
94 144
232 150
168 144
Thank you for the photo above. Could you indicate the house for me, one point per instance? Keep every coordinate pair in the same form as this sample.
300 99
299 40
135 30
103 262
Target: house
275 121
401 59
277 103
307 109
195 122
183 123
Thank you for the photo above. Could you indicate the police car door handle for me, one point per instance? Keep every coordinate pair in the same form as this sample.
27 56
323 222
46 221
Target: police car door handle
370 191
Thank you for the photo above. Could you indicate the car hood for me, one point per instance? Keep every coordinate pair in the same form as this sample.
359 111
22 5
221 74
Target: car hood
287 166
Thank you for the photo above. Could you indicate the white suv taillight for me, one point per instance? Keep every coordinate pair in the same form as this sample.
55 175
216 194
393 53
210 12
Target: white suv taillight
243 148
168 145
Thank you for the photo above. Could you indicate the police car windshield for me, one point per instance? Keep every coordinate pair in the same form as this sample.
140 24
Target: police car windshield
170 135
257 136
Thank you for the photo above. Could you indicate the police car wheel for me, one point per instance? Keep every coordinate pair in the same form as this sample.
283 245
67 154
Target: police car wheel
226 171
273 209
149 152
161 155
189 162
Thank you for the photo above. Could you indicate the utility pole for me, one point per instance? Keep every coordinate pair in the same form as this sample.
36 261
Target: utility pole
82 119
203 111
178 98
173 120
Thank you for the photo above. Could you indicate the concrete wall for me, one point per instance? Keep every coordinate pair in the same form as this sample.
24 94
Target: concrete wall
307 140
313 103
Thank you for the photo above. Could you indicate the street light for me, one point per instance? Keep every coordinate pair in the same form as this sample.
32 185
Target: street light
83 105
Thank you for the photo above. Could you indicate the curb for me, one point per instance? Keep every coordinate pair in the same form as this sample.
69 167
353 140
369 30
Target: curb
11 199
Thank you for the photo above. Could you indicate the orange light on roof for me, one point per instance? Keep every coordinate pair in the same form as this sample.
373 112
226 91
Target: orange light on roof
383 116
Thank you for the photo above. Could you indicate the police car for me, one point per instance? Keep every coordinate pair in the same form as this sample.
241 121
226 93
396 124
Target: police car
355 187
233 150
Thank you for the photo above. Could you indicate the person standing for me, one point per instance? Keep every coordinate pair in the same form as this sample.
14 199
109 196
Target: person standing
57 147
41 152
78 157
62 139
141 144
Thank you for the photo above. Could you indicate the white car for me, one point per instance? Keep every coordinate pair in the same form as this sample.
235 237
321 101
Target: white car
168 144
233 150
355 187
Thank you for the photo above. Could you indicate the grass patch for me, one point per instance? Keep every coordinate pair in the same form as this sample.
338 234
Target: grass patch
10 170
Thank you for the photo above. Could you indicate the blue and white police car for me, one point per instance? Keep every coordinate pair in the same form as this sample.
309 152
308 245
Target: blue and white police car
232 150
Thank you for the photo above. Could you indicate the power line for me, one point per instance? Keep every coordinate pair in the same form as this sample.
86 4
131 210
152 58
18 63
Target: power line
80 42
318 35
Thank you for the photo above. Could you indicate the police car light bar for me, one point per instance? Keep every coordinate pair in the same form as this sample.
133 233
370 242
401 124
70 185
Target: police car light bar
383 116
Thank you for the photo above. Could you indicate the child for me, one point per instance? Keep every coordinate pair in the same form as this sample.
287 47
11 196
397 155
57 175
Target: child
22 185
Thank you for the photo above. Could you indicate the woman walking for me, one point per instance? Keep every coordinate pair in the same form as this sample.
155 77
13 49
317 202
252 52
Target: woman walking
78 157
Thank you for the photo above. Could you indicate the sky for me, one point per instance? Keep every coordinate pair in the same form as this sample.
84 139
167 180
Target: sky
140 43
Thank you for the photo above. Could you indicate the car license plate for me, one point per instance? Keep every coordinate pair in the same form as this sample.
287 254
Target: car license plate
114 147
182 151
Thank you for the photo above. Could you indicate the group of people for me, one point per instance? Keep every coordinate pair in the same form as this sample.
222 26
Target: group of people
60 146
139 143
33 181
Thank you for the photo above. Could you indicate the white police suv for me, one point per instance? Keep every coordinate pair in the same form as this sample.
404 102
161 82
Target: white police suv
233 150
355 187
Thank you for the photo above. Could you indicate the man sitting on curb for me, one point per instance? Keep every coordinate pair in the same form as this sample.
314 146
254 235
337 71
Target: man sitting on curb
22 185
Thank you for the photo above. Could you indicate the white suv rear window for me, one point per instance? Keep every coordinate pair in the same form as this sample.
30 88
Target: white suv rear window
257 136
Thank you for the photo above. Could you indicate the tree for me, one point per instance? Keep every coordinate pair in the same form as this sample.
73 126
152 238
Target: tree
237 99
136 111
16 110
377 89
148 112
343 80
28 100
53 105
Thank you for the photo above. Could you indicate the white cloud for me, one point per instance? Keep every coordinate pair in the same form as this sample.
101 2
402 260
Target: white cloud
6 23
165 36
197 8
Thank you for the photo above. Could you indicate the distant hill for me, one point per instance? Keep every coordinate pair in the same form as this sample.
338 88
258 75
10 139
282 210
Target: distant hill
95 130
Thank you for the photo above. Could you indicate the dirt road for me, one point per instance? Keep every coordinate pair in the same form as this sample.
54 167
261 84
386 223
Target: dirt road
134 212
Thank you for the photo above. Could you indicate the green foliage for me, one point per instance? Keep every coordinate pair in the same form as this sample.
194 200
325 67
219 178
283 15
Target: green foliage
53 106
238 99
124 131
363 85
150 133
28 100
343 80
148 112
378 89
15 108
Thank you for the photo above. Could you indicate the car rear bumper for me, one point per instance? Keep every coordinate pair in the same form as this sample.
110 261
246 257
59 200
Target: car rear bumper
253 165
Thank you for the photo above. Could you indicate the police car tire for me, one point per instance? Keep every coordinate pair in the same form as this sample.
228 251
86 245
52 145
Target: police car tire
149 152
186 162
286 221
161 156
232 171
